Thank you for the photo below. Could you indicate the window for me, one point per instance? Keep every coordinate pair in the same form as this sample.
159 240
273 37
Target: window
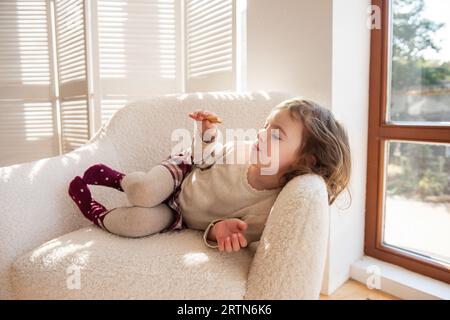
408 180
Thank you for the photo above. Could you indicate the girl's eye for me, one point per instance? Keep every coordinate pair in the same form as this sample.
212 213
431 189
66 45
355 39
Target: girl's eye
276 136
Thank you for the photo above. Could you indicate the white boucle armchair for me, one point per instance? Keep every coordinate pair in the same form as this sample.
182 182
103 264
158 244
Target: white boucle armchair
48 250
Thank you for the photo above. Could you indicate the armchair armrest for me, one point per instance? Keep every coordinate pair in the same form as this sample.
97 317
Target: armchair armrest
290 258
34 203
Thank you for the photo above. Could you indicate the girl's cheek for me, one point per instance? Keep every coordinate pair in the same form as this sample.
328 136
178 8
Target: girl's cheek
275 145
287 157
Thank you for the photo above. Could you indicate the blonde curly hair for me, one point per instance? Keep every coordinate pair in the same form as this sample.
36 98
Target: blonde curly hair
325 148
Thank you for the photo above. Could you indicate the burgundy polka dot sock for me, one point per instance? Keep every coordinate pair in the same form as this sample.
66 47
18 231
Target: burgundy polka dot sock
103 175
91 209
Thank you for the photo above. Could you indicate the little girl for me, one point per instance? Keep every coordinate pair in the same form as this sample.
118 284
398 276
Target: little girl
230 201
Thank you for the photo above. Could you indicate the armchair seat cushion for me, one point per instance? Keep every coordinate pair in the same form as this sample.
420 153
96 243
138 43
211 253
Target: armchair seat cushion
92 264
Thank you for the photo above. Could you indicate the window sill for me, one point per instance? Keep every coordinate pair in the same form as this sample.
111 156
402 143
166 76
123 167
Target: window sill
398 281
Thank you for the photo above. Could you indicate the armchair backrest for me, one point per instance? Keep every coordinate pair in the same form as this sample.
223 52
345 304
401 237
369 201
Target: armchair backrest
141 131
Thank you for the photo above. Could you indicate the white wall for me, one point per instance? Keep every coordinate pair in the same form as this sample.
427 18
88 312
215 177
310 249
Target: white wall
289 47
320 49
350 78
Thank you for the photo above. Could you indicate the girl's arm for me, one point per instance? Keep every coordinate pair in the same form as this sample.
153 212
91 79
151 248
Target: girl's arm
203 145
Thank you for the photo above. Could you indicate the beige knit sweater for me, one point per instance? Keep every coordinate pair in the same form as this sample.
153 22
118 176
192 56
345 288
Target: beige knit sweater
217 188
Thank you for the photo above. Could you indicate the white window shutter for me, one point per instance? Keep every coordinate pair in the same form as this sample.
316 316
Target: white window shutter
138 50
107 52
210 55
70 25
28 126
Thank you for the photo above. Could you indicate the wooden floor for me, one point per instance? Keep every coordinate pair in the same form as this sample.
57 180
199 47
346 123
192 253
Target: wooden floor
353 290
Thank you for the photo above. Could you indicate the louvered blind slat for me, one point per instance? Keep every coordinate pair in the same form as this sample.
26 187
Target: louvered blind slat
214 17
74 116
137 51
70 23
27 112
210 51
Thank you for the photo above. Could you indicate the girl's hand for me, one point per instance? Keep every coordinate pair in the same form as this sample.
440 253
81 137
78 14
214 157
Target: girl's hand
229 234
208 119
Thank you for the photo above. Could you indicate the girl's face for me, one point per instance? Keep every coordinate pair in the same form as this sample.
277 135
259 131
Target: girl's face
278 142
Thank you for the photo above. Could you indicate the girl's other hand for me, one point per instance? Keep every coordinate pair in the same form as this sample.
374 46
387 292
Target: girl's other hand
229 234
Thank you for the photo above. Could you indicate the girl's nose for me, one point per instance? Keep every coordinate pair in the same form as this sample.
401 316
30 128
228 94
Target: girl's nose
262 135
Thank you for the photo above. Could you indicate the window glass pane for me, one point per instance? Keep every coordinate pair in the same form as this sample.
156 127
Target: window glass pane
420 64
417 199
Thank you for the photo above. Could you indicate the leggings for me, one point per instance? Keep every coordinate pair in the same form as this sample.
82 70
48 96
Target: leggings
146 192
153 195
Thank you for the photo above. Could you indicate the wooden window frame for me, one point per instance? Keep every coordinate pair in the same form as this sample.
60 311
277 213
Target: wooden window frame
379 132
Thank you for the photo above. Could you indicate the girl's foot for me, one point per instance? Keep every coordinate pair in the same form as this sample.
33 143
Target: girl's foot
103 175
91 209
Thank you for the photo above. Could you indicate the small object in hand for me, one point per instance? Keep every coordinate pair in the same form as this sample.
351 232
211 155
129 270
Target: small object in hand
213 119
210 117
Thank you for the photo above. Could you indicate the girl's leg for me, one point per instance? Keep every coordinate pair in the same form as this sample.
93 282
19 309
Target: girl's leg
148 189
123 221
138 221
91 209
102 175
145 189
